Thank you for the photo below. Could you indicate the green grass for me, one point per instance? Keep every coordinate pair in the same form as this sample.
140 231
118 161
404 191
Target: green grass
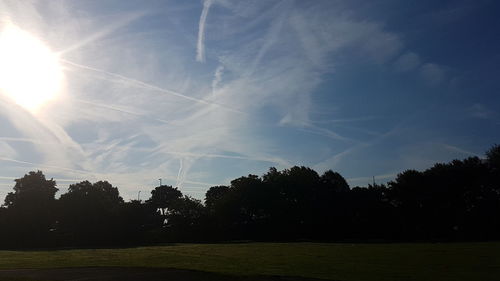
454 261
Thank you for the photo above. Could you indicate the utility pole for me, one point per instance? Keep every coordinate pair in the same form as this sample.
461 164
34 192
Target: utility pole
139 196
373 181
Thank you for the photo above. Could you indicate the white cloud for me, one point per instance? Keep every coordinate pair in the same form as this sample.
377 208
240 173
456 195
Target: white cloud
320 35
407 62
217 79
433 73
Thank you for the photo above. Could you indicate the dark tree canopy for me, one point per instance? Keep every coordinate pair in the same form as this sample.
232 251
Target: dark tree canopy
30 210
185 211
334 181
214 194
163 196
88 214
31 190
454 201
493 157
101 192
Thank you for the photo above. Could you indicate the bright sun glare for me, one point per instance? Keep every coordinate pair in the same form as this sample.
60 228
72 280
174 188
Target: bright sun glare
30 73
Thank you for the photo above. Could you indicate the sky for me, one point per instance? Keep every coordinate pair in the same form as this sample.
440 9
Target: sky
198 93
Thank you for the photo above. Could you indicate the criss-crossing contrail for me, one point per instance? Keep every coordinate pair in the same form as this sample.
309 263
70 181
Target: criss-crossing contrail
104 31
44 165
150 86
11 139
114 108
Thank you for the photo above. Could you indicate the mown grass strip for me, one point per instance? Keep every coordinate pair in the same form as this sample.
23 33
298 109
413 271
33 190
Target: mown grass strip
440 261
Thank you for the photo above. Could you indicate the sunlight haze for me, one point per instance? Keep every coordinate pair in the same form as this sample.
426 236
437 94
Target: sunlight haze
29 72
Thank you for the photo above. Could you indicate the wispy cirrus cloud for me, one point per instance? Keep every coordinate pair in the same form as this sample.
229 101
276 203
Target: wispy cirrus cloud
481 111
137 107
118 127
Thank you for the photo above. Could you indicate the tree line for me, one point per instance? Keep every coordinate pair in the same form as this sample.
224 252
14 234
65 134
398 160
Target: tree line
454 201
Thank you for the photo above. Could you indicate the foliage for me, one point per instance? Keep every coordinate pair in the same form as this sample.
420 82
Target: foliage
32 190
455 201
163 196
30 209
89 213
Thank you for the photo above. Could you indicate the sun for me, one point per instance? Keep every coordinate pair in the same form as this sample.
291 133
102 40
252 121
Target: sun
30 73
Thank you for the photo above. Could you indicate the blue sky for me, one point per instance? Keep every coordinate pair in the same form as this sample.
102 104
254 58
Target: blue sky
201 92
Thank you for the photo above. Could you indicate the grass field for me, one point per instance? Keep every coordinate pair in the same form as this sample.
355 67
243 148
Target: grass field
454 261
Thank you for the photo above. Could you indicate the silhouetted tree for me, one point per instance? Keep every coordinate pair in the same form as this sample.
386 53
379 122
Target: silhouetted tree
493 162
32 190
89 213
334 181
493 157
138 222
186 211
371 216
30 210
163 196
453 201
459 200
214 194
184 219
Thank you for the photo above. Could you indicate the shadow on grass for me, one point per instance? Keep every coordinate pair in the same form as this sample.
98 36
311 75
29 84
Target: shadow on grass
131 274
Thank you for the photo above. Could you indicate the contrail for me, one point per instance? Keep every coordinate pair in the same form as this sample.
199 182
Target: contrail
213 155
460 150
56 179
307 127
150 87
96 36
200 47
43 165
122 110
10 139
178 183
